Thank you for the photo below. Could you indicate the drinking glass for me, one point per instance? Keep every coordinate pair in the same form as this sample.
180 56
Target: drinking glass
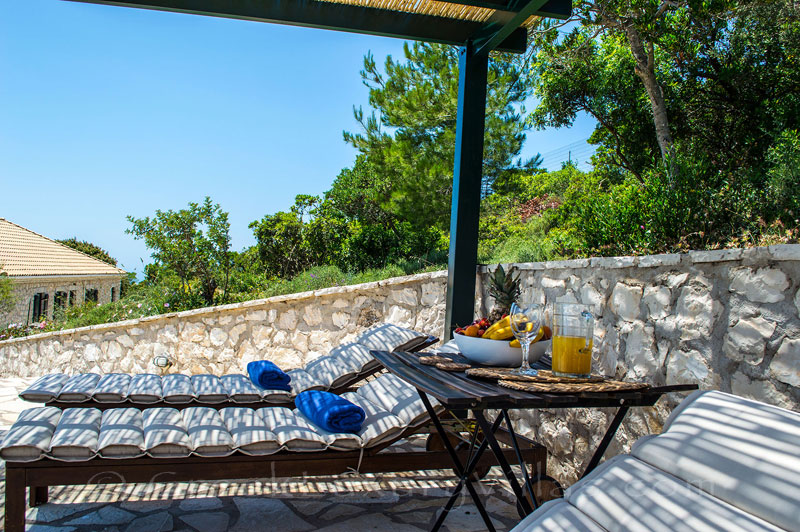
573 328
526 324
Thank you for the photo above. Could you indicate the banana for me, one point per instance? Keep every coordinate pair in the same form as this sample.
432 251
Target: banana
505 322
515 342
504 333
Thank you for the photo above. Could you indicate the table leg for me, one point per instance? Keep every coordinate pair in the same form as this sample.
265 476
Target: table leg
463 472
468 471
604 443
520 459
501 460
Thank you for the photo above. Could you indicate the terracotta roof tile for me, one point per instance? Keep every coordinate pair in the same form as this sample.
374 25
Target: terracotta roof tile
25 253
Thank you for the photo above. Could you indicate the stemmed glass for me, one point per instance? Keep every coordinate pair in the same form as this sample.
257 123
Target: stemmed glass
526 324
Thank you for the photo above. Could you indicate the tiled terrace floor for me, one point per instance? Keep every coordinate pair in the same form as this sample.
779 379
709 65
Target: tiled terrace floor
386 502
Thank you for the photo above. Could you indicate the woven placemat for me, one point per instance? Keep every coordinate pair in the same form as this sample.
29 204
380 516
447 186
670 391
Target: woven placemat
561 387
452 366
543 375
432 360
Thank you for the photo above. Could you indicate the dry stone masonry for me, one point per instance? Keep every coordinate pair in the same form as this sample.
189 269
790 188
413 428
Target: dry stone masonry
724 319
290 330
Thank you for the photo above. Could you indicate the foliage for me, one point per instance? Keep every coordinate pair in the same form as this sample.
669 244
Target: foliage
416 99
143 300
191 245
337 232
727 74
90 249
18 330
783 177
6 293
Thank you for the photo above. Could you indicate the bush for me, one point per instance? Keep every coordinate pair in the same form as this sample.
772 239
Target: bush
142 300
18 330
783 177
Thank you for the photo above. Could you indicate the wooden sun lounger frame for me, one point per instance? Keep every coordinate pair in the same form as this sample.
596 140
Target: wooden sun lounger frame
346 387
41 474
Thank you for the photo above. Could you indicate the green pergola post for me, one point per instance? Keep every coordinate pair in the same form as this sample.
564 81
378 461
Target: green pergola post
467 174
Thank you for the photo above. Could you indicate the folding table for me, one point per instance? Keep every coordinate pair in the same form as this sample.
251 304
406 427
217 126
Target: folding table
458 392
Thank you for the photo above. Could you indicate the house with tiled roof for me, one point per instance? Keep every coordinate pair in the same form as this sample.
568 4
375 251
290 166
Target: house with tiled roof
47 276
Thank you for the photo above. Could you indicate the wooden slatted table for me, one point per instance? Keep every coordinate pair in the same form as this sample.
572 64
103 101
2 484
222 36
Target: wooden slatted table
458 392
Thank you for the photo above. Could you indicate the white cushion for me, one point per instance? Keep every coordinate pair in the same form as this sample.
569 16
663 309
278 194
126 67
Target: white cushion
164 433
76 435
145 388
121 434
45 388
398 397
207 432
626 494
248 431
557 516
291 431
355 357
177 388
112 388
209 389
302 381
744 452
79 388
29 437
240 388
325 370
390 337
379 426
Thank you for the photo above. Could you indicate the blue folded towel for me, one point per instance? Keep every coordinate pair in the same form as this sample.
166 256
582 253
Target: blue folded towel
268 376
330 411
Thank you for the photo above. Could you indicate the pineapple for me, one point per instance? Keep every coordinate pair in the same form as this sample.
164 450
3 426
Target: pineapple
504 288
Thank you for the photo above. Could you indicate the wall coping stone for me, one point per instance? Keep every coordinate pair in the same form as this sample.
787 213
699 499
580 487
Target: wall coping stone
230 307
788 252
715 255
785 251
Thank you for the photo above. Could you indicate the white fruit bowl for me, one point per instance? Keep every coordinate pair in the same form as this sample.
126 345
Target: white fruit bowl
498 352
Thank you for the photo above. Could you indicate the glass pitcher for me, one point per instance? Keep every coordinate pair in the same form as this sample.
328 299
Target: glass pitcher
573 329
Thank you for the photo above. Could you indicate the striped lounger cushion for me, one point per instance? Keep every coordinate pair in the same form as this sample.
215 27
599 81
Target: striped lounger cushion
80 434
330 371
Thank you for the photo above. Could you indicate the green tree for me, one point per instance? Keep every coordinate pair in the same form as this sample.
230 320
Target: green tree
90 249
193 244
279 239
717 78
727 72
416 101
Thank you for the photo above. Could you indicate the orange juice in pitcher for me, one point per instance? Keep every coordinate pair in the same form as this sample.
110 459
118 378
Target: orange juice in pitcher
573 328
571 355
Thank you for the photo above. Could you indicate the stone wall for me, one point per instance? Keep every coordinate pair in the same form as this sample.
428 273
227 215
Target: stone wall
290 330
25 288
724 319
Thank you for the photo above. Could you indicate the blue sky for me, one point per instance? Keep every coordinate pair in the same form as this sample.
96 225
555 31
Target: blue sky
108 111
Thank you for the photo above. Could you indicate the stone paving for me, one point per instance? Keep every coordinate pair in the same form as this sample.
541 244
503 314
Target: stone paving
387 502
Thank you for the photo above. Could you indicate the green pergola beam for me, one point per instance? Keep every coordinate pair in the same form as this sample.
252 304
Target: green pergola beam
494 33
467 175
332 16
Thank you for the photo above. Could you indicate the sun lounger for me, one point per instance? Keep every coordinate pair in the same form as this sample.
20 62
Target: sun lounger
52 446
722 462
344 366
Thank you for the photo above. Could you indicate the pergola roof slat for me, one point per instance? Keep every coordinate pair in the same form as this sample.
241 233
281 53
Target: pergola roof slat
443 21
